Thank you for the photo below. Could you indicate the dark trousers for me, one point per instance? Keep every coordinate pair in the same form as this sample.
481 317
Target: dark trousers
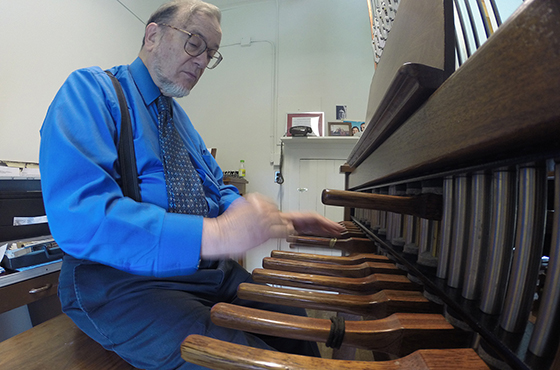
145 319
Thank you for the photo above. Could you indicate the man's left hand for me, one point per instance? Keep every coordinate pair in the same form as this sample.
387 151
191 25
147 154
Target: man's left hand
310 223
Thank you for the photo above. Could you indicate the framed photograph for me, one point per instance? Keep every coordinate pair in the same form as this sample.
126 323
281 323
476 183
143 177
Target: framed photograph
340 129
341 112
315 120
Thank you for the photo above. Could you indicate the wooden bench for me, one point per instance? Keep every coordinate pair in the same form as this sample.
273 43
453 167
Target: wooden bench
57 344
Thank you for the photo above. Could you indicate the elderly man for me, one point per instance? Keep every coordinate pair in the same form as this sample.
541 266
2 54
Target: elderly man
139 276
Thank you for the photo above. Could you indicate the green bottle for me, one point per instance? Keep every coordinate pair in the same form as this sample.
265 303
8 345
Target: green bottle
242 168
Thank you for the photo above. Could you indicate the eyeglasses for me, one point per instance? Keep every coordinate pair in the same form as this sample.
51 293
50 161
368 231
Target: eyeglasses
195 45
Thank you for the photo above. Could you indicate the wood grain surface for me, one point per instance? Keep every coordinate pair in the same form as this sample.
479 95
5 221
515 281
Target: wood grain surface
221 355
367 285
57 344
377 305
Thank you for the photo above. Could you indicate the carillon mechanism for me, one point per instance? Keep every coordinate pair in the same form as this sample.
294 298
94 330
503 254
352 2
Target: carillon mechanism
497 224
488 257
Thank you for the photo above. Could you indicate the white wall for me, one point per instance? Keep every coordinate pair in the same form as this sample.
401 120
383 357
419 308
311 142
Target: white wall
302 55
321 58
42 42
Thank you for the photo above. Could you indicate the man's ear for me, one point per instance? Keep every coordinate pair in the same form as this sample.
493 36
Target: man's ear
151 36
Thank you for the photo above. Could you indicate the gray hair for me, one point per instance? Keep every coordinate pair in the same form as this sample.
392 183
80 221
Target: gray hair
183 10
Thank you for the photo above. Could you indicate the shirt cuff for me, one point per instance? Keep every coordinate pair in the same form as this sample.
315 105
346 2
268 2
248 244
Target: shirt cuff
180 241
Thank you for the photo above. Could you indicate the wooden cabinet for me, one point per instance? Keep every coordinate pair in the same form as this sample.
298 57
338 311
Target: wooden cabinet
238 182
25 287
28 291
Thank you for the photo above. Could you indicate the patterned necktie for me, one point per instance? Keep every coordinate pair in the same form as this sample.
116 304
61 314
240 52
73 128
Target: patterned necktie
184 188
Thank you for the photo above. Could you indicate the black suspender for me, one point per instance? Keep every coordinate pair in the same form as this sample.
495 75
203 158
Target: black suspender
127 157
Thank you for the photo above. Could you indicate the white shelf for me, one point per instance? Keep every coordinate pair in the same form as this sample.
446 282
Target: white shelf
321 140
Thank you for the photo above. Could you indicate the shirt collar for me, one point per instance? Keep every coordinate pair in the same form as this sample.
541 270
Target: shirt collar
148 89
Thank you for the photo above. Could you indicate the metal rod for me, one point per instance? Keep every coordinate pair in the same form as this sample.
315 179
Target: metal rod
545 335
425 236
478 239
460 53
375 218
411 245
383 216
427 251
463 28
459 241
502 229
368 217
397 235
390 218
531 216
446 227
473 25
436 241
496 12
358 214
485 18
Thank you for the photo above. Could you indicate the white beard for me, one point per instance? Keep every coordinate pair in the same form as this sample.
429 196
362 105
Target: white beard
168 87
174 90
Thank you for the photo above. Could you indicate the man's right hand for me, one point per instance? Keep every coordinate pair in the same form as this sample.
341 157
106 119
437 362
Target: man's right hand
247 223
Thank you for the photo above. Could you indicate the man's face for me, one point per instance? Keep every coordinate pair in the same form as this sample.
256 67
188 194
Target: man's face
176 72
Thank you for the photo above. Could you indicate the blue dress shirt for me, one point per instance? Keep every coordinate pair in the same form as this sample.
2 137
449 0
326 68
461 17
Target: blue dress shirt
87 213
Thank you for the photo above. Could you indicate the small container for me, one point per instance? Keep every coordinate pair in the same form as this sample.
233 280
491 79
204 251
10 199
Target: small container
242 168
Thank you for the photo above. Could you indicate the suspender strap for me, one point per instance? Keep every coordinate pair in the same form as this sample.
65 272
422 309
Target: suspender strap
127 157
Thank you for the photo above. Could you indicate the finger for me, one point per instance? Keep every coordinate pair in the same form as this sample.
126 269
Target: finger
290 229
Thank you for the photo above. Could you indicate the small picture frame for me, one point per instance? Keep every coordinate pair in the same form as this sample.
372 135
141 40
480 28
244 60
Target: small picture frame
310 119
341 112
340 129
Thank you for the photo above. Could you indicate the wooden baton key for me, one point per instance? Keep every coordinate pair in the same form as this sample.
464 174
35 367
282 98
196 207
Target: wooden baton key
221 355
365 285
322 258
351 245
360 270
399 334
428 206
377 305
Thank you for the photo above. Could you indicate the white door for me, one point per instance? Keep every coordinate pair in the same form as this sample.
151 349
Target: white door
314 176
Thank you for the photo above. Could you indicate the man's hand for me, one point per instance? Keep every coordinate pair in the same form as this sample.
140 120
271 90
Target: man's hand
247 223
310 223
251 221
